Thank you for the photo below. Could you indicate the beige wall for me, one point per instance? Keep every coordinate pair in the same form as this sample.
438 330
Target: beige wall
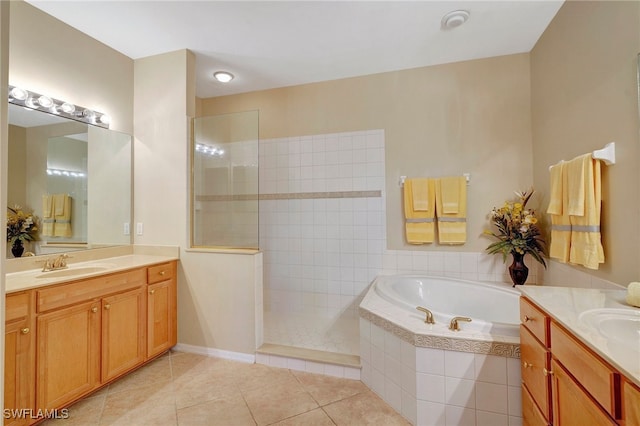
4 71
584 95
468 117
50 57
17 168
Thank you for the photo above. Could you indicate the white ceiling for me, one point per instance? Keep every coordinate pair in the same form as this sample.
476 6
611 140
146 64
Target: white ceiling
269 44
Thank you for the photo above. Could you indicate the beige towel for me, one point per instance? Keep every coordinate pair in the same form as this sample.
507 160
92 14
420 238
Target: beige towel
47 215
450 192
586 245
452 227
421 194
62 215
575 170
560 244
419 224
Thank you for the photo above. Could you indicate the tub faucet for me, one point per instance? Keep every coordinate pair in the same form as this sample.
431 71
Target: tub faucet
453 325
429 315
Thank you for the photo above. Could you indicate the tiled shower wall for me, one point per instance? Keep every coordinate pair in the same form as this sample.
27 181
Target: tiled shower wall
322 221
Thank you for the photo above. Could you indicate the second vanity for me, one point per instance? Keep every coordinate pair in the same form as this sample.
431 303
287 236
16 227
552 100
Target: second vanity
580 353
71 331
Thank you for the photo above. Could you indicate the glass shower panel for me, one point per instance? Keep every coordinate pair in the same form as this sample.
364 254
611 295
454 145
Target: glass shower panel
224 206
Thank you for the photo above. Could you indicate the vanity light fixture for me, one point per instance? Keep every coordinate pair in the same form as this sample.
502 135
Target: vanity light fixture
69 173
21 97
223 76
454 19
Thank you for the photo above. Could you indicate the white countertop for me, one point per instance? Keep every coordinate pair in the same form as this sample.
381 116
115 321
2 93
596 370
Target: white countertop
25 280
565 305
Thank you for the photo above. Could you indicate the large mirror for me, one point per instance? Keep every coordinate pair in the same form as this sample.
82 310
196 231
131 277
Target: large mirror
73 177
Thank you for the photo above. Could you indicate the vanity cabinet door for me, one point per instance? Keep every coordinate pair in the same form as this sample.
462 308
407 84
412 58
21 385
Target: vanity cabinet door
123 332
571 404
630 404
534 370
68 354
161 317
19 359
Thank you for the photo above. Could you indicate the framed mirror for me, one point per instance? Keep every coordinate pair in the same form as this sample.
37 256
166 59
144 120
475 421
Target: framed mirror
73 177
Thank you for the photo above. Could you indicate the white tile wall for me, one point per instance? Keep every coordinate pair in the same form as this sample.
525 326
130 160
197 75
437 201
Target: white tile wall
434 386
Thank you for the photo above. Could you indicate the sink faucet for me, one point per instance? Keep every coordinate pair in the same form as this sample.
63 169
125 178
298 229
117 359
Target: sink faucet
54 263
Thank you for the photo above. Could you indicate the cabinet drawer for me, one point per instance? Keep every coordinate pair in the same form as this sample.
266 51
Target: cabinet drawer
593 374
535 366
88 289
162 272
535 320
17 306
572 405
630 404
531 414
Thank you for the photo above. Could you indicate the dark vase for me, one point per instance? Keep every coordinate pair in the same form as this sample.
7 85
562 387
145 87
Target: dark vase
518 270
17 248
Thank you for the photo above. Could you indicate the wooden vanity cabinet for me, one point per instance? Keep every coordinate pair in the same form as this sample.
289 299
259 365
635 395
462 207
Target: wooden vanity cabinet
161 308
19 359
630 404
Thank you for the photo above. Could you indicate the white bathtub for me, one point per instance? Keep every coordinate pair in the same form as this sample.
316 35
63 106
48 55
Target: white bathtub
493 308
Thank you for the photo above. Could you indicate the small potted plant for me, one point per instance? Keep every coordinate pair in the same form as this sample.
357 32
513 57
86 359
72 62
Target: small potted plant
21 227
517 234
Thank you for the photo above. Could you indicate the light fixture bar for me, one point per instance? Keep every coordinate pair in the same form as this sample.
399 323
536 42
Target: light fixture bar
28 99
68 173
209 150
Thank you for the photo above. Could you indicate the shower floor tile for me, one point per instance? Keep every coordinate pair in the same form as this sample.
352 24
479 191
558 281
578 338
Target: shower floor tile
311 331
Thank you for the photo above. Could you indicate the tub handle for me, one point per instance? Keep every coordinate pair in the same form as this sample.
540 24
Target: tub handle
453 325
428 315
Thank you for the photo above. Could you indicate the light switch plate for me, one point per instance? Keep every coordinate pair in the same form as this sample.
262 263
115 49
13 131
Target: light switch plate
139 228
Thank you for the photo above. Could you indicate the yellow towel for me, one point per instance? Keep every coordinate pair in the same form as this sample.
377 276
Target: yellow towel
47 215
450 192
560 244
575 170
421 194
62 214
586 245
452 227
419 225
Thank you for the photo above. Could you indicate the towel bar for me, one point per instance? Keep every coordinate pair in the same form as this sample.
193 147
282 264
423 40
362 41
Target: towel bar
606 154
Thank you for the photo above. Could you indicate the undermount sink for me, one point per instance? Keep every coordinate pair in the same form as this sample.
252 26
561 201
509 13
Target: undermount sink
619 326
70 272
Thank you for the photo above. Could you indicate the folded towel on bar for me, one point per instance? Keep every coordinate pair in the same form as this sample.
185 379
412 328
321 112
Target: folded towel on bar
575 170
560 244
452 227
62 215
450 192
419 224
586 244
47 215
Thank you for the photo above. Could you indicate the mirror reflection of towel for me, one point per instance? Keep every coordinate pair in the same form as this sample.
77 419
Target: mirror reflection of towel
47 215
62 215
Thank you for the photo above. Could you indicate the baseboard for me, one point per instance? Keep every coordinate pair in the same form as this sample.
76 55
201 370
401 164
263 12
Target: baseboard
217 353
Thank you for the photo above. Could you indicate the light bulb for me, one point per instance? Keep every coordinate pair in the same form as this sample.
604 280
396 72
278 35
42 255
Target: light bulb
45 101
19 94
68 108
223 76
105 118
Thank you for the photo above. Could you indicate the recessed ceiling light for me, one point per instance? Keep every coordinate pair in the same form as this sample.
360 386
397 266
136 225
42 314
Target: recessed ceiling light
454 19
223 76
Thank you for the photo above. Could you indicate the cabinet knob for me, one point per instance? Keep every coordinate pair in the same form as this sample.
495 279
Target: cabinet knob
527 365
162 272
547 372
94 309
25 330
107 306
151 291
527 318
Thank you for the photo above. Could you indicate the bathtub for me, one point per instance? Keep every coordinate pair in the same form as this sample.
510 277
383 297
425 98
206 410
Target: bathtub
493 309
431 374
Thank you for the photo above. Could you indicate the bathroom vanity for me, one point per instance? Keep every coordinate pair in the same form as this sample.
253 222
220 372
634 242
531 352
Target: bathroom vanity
578 365
72 331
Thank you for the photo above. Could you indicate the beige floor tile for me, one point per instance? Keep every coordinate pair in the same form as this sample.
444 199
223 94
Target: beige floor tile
278 401
192 390
256 376
143 405
227 412
315 417
363 409
85 412
327 389
158 371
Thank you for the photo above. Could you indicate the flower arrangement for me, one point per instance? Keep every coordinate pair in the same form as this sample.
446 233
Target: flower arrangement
518 232
21 226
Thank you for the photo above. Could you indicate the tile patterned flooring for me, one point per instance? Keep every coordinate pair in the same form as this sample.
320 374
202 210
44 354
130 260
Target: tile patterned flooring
184 389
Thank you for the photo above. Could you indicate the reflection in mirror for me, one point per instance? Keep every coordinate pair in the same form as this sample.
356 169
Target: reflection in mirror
75 178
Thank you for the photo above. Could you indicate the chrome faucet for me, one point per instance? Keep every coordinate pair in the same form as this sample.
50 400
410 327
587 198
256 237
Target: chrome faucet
453 325
429 315
53 263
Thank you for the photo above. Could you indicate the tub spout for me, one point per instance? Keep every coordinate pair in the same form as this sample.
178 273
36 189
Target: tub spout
429 315
453 325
